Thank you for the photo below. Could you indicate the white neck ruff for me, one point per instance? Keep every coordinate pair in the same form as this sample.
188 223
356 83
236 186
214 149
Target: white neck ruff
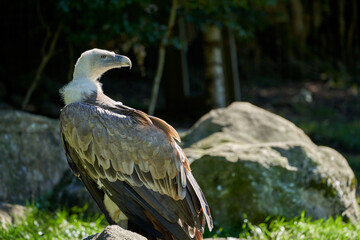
79 89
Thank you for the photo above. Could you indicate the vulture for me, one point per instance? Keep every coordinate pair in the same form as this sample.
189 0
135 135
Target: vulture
130 162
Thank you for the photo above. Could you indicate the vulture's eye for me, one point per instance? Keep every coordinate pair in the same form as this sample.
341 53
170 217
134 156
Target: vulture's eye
103 56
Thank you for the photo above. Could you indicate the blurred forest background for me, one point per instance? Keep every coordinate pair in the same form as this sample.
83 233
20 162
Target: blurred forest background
299 59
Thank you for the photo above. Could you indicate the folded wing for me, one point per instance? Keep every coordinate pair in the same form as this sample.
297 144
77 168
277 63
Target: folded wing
121 148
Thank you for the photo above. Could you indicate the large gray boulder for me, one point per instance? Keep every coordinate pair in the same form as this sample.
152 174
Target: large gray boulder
250 161
32 159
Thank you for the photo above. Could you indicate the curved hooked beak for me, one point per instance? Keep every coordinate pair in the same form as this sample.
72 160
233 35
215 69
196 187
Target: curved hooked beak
123 61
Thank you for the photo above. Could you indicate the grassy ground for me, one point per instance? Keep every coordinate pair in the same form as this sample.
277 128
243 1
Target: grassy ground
297 228
74 224
61 224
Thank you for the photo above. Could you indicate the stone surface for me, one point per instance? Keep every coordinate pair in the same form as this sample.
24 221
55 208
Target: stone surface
228 238
71 192
250 161
115 232
9 213
242 123
32 158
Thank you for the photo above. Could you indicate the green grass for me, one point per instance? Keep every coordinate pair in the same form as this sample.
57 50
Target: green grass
296 228
73 224
61 224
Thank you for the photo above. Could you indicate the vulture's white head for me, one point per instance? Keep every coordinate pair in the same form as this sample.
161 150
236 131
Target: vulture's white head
93 63
88 69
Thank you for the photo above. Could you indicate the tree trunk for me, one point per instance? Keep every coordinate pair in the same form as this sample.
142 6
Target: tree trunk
230 63
161 58
214 72
184 63
341 18
317 14
234 66
299 29
352 29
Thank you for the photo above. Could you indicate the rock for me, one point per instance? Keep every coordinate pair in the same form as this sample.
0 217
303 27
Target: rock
114 232
228 238
242 123
32 159
250 161
71 192
9 213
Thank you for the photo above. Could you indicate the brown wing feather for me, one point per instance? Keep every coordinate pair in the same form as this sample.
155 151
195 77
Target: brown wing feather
127 145
165 127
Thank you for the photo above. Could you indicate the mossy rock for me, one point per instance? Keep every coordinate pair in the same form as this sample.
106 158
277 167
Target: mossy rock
254 176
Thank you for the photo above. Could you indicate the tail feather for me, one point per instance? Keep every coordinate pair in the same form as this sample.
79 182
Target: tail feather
204 206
